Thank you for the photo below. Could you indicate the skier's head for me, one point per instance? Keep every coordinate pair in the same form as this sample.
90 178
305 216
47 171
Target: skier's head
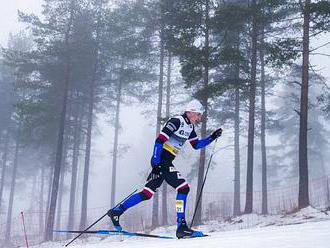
194 111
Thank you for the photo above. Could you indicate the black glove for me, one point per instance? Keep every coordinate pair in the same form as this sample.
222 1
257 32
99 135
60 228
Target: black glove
155 172
216 134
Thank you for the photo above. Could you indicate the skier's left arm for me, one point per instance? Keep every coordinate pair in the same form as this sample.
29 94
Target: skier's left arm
198 144
170 127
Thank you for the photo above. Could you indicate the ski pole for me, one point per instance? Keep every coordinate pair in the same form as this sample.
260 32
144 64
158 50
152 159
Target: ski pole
201 191
98 220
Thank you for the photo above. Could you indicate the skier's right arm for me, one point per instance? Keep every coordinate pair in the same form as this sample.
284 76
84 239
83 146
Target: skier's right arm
170 127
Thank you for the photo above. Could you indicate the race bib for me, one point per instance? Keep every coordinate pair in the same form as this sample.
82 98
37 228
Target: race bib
179 204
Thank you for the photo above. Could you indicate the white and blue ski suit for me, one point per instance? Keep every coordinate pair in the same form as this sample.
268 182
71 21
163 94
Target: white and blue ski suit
172 137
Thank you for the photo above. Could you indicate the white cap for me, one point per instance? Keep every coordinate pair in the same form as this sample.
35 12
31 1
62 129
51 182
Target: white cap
195 106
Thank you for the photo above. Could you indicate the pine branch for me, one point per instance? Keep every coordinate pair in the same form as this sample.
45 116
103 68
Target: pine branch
320 78
323 54
325 44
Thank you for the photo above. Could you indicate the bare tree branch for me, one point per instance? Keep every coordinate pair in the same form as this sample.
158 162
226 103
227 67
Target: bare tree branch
325 44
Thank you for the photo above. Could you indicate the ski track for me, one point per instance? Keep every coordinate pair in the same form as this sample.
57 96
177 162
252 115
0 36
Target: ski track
307 235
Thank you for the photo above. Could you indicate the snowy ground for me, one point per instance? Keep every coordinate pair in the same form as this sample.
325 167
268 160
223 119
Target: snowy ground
306 229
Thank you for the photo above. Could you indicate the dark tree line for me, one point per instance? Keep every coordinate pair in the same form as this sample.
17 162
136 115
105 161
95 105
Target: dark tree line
85 57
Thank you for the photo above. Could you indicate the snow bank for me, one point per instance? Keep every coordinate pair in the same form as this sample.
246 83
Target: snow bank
304 229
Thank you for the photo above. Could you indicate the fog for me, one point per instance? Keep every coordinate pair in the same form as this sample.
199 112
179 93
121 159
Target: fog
138 132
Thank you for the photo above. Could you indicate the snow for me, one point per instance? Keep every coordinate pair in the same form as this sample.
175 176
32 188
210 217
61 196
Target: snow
305 229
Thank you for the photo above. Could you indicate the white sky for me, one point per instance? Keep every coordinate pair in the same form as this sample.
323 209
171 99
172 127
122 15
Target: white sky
9 23
8 15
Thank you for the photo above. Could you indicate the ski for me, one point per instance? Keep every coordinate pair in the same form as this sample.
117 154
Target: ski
138 234
193 237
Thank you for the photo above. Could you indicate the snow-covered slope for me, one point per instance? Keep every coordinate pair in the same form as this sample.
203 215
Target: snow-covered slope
305 229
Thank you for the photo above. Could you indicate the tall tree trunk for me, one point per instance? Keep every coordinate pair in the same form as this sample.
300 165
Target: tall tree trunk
249 176
264 208
237 169
115 145
60 193
64 159
59 149
155 206
237 173
49 191
198 218
41 201
303 198
12 193
167 114
62 176
4 166
75 157
83 218
91 99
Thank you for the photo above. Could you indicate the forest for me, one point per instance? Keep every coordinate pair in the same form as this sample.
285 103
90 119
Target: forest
79 62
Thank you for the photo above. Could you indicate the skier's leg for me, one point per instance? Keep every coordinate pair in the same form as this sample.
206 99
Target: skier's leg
174 178
147 192
181 201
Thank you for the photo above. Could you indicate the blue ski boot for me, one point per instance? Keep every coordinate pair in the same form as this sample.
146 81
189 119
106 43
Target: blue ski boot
183 231
114 215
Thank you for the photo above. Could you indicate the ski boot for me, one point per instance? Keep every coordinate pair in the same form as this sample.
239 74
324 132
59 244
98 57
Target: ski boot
183 231
114 215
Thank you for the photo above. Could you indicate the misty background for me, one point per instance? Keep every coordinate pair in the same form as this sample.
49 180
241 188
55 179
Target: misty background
137 132
138 123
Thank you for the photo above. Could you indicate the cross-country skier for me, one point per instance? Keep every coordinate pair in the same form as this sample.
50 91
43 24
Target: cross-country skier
167 145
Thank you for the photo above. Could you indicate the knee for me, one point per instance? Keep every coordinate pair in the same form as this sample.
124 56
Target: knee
146 194
184 190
